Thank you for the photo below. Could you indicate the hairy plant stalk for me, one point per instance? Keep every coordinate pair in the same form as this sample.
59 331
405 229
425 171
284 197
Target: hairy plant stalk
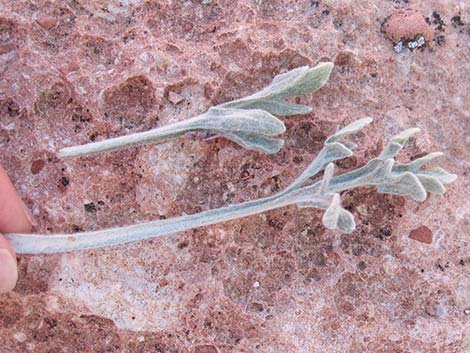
247 121
163 134
382 172
37 243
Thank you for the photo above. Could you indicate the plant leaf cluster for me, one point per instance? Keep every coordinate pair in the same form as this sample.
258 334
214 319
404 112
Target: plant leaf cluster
383 173
248 121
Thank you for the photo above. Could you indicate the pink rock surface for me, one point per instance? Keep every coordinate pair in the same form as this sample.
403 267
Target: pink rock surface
78 71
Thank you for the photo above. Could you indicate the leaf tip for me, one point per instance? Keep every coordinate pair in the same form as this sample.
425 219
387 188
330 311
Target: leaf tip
405 135
436 154
451 178
327 66
368 120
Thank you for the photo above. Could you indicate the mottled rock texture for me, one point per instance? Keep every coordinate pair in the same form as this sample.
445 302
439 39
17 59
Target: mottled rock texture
78 71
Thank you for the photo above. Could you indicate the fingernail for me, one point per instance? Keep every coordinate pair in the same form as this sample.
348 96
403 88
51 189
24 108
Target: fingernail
28 214
8 271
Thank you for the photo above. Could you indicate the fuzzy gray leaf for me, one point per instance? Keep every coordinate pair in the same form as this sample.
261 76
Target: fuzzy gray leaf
440 174
290 84
277 107
332 151
337 217
327 176
309 204
349 129
415 165
251 121
384 171
346 223
375 170
431 184
255 142
405 184
296 82
306 205
397 142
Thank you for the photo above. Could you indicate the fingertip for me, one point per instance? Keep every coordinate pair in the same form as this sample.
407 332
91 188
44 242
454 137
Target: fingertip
8 267
14 215
4 244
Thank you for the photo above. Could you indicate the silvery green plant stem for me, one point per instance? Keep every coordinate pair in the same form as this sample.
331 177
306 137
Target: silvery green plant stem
165 133
250 128
247 121
382 173
37 244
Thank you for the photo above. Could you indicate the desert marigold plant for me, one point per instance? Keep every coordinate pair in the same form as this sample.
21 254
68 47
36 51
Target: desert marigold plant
383 173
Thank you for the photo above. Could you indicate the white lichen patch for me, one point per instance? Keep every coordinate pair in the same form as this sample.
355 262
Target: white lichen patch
419 41
398 47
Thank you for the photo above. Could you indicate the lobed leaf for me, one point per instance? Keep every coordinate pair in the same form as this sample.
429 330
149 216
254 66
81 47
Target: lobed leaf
397 143
255 121
277 107
440 174
349 129
375 170
431 184
293 83
419 162
296 82
255 142
332 151
336 217
327 176
405 184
